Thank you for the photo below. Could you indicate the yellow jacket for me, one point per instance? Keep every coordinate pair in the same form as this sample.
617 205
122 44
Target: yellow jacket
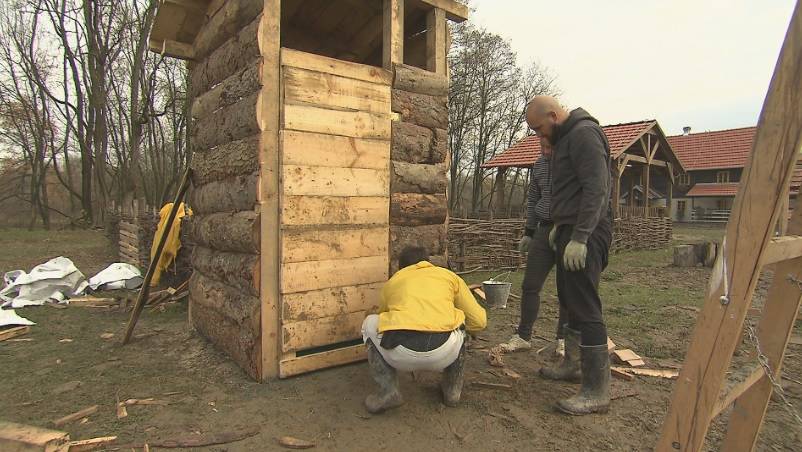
423 297
173 242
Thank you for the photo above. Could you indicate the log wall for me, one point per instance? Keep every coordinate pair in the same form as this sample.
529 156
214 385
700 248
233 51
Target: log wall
224 86
419 154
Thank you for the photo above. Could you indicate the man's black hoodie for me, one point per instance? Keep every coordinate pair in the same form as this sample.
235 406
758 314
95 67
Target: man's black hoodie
580 186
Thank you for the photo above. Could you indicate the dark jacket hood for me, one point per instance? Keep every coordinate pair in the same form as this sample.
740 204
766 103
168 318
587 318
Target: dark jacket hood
576 116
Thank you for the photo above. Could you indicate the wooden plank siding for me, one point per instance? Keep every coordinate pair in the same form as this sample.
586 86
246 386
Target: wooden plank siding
335 179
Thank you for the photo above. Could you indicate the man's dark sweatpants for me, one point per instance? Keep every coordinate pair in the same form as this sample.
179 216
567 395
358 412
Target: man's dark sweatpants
579 291
539 262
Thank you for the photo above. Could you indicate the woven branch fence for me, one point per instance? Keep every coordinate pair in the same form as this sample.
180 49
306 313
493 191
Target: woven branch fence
493 244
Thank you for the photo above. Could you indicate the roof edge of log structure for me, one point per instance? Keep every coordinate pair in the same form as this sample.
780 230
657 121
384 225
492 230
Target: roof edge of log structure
178 22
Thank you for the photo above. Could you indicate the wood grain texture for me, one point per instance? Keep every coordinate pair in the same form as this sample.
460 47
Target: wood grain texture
316 244
421 109
320 210
314 333
303 364
417 178
304 87
306 276
239 270
314 149
236 232
234 194
235 158
346 123
393 33
332 181
416 80
295 58
414 209
330 302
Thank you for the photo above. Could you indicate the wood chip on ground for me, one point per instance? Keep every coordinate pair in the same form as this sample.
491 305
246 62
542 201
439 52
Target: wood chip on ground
294 443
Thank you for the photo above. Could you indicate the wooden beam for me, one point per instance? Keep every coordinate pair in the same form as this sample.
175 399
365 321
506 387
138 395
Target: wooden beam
738 390
194 6
454 10
654 162
765 181
670 194
175 49
268 112
622 164
393 34
782 249
647 179
616 189
436 41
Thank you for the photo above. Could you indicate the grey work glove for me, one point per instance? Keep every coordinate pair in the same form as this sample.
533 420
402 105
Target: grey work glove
523 244
552 238
575 255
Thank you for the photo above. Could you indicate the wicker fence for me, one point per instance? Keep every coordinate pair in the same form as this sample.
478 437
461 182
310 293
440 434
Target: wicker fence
492 244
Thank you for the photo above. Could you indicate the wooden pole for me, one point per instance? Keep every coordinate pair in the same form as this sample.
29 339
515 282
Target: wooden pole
765 182
142 298
616 190
646 174
436 41
501 179
393 33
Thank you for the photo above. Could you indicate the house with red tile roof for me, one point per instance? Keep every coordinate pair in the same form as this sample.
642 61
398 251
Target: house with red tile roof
643 162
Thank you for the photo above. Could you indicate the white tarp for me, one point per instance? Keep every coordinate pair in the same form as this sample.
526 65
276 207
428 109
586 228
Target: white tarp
117 276
8 318
55 280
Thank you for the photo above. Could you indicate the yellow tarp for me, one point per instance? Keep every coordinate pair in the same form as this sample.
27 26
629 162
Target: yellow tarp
173 243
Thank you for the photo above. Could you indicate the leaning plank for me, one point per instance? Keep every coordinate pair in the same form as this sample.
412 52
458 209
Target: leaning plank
330 302
782 249
75 416
350 124
308 363
229 91
234 194
305 276
421 109
225 24
413 209
332 181
230 123
235 158
315 245
238 232
414 80
303 87
342 68
240 270
764 185
85 445
232 56
316 210
322 331
15 331
737 391
660 373
314 149
21 437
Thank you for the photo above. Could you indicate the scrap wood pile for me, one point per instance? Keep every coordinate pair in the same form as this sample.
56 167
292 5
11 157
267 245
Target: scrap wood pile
493 244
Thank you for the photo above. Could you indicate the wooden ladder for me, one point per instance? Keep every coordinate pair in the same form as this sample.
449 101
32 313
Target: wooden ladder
749 245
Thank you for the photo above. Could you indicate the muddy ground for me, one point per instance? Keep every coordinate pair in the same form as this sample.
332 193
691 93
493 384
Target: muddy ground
650 307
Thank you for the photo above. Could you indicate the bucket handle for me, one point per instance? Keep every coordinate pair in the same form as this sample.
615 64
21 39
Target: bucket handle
505 274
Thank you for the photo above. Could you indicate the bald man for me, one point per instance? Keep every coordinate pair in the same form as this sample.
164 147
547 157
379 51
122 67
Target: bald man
581 237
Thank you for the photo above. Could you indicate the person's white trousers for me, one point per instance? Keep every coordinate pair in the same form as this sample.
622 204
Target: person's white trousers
404 359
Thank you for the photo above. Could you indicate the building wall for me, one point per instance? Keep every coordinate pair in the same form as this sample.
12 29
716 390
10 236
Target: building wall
706 176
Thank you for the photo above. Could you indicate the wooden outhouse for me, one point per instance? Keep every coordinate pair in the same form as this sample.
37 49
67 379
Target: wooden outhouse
318 133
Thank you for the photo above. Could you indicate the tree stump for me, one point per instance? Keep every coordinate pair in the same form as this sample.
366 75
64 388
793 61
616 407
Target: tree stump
685 256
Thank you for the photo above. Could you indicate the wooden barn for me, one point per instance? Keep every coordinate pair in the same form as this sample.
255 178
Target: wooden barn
318 132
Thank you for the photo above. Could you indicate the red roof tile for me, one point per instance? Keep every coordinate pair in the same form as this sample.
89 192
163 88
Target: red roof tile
713 189
714 150
527 151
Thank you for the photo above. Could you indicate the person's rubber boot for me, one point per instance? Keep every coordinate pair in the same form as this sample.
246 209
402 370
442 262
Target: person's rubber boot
594 395
453 378
568 368
386 378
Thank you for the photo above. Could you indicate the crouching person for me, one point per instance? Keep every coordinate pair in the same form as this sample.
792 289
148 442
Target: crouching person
424 313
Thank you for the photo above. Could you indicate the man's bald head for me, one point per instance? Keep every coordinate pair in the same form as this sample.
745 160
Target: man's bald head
543 113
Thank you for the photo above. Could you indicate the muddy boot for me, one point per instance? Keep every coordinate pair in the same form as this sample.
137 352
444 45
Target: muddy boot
386 378
594 395
568 368
453 377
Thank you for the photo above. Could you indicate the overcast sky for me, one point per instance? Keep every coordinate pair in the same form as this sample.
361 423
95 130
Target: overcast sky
704 64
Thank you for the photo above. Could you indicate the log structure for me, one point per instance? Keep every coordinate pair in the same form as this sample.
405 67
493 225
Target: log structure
318 132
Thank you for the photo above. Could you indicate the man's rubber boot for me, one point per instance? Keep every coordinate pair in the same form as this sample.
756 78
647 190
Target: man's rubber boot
568 368
594 395
386 378
453 378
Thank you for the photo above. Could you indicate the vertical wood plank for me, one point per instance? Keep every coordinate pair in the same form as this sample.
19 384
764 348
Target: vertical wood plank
436 41
764 184
268 113
393 33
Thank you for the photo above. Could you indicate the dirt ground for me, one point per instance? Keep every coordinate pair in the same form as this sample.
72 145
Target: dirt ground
650 307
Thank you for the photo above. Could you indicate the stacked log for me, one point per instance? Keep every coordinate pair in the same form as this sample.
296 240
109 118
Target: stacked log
419 150
224 136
